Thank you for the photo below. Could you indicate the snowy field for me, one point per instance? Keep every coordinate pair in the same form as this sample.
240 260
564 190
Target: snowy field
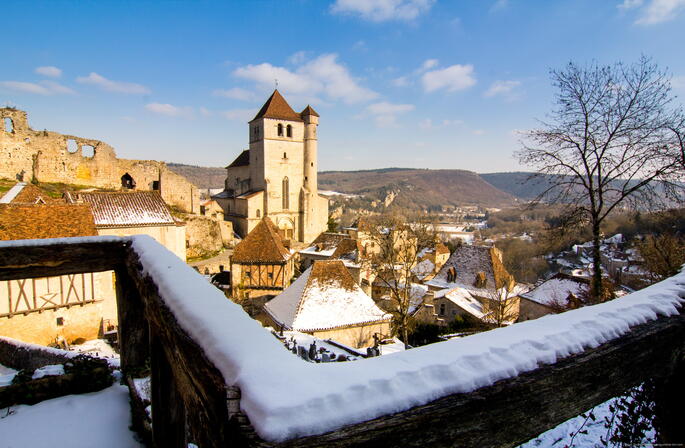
99 419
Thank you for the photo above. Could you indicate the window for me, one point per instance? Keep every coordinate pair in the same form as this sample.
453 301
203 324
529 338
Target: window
289 131
72 146
155 185
127 182
442 309
280 130
87 151
285 155
9 125
60 321
286 194
259 213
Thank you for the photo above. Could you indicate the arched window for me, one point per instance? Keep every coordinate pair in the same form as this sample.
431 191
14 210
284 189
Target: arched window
127 182
259 213
286 194
280 130
289 131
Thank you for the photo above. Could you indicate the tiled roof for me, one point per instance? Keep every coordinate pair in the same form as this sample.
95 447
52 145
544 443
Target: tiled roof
262 245
23 193
37 221
243 159
325 296
469 262
136 208
277 107
309 110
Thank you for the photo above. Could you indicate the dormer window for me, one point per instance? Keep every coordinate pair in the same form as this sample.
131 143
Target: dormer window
280 130
289 131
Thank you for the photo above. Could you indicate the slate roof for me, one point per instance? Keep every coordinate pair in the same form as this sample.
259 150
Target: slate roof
136 208
325 296
309 110
243 159
557 289
277 107
38 221
262 245
468 261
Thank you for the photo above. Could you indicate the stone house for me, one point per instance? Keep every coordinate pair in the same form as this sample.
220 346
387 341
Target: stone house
54 309
48 156
261 266
322 248
277 175
560 292
135 213
327 303
430 260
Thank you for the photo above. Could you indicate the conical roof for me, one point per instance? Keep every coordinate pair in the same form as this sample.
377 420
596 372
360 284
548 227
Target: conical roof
309 110
277 107
325 296
262 245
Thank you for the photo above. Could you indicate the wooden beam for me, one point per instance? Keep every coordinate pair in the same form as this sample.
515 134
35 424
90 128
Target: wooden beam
20 262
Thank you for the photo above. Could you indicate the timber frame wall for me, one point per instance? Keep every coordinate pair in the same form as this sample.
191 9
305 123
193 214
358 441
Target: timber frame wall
193 403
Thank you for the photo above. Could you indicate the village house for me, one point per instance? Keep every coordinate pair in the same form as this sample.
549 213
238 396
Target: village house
322 248
53 310
430 260
327 303
135 213
558 293
277 175
261 266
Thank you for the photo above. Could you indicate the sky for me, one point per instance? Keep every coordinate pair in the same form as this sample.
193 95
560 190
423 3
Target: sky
398 83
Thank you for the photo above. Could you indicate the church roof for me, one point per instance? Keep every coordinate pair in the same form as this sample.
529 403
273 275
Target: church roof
277 107
325 296
37 221
309 110
262 245
242 160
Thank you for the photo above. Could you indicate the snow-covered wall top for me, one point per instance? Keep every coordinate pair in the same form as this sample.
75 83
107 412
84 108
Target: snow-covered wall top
285 397
305 399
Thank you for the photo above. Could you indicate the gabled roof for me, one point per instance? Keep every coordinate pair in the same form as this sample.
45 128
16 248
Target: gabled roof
136 208
243 159
262 245
309 110
37 221
557 289
277 107
325 296
468 262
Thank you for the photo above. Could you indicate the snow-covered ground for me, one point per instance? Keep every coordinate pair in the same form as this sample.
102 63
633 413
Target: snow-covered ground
6 375
99 419
98 348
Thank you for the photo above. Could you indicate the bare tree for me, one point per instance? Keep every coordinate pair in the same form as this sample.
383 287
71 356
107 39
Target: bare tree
501 306
391 251
611 142
663 255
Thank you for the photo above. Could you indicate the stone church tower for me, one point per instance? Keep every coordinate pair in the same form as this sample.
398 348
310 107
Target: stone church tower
277 175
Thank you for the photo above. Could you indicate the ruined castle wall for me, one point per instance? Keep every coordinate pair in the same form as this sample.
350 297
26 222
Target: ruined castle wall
53 157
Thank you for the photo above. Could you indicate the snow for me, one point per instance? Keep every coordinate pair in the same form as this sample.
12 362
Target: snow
142 386
306 399
49 370
99 419
556 291
54 241
12 193
424 268
98 348
337 193
6 375
465 301
391 346
305 340
315 251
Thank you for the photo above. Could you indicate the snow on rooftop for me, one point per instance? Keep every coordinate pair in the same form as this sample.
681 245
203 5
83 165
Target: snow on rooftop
305 399
464 300
12 193
555 291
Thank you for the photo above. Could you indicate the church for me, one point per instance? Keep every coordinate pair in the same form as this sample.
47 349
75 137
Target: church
277 175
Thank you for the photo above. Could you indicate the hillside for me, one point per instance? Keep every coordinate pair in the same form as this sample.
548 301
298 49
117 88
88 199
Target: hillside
201 176
416 189
516 184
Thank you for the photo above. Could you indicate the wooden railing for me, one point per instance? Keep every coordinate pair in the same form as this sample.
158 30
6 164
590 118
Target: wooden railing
192 400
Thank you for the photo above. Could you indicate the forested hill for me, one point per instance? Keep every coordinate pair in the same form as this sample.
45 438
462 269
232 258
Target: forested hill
201 176
517 184
416 188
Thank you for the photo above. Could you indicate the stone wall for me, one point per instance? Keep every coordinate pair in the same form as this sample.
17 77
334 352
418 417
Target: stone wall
205 235
47 156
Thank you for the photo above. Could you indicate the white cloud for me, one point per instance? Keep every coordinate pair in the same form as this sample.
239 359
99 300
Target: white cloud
235 93
169 110
383 10
243 115
506 89
402 81
427 123
298 58
630 4
385 114
113 86
499 5
322 75
658 11
49 70
40 88
452 78
428 64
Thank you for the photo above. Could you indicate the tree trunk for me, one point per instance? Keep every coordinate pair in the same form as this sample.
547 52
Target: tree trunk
596 289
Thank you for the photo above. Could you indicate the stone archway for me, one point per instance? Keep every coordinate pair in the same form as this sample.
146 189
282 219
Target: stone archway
286 228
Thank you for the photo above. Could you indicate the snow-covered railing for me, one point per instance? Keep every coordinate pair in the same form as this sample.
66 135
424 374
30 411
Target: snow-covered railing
219 378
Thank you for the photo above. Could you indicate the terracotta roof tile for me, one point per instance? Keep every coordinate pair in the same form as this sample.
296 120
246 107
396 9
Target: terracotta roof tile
262 245
277 107
309 110
37 221
136 208
243 159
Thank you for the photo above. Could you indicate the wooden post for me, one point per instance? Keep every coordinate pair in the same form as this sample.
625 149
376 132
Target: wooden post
133 327
168 410
669 403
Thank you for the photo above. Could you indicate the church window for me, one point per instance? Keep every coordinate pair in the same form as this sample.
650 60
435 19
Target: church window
280 130
289 131
286 194
259 213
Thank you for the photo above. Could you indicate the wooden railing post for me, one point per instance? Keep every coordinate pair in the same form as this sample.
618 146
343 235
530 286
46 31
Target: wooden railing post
670 405
168 409
133 327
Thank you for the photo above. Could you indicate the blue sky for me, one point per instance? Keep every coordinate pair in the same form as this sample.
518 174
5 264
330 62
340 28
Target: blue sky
403 83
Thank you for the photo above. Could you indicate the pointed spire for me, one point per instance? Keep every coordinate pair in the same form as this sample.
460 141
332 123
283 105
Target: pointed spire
277 107
309 110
